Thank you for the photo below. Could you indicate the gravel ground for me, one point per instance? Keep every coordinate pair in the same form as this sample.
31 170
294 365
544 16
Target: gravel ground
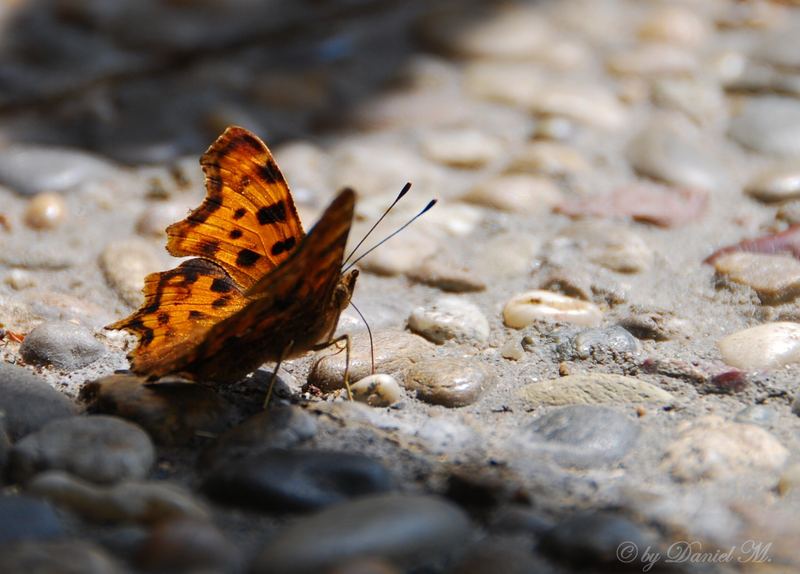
587 351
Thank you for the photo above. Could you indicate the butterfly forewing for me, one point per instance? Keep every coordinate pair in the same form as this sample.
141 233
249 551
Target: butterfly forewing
248 222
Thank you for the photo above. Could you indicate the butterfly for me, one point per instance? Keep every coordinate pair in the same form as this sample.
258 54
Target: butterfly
259 289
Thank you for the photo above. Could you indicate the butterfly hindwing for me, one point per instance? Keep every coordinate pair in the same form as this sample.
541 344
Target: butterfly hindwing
247 223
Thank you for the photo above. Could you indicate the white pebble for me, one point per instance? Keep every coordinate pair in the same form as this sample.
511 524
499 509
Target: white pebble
45 211
531 306
518 193
763 347
378 390
466 148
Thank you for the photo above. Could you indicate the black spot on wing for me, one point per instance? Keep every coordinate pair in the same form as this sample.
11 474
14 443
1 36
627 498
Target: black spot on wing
209 248
235 234
282 246
270 214
247 258
147 336
219 302
239 213
163 318
270 173
221 286
194 314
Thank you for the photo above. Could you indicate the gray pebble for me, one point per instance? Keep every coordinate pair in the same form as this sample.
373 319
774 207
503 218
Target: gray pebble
604 343
290 480
98 448
450 317
770 125
63 345
29 402
448 381
761 415
584 436
62 557
405 529
26 518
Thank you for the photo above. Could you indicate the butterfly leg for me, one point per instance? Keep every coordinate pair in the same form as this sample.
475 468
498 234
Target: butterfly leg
285 353
347 345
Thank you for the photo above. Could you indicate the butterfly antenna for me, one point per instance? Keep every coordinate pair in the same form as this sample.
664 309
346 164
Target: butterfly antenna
400 195
431 203
369 332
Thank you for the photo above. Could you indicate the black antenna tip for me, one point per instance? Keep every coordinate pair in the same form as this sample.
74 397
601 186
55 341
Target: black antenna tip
431 203
404 191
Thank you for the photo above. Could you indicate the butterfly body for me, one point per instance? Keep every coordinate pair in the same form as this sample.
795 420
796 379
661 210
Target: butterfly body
261 289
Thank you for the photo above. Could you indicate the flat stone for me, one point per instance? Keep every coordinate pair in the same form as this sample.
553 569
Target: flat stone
171 413
448 381
125 263
450 317
654 325
516 193
776 183
295 480
25 518
464 148
775 278
28 402
550 158
395 352
653 60
713 448
98 448
129 501
526 308
762 347
63 345
63 556
582 436
597 388
405 529
447 277
768 125
674 25
611 245
507 255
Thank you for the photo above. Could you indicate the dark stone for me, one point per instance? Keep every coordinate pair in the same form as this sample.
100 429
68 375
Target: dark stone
292 480
29 402
62 345
26 518
188 546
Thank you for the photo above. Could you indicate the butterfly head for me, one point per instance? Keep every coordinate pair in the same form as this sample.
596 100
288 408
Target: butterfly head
344 290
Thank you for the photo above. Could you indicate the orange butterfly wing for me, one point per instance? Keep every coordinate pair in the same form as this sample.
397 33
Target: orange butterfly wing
247 223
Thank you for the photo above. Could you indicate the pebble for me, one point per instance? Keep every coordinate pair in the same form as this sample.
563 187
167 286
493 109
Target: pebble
789 212
761 415
30 170
674 25
45 211
463 148
450 317
775 278
397 258
395 352
512 349
448 381
62 556
654 325
157 215
25 518
591 105
612 246
28 402
763 347
63 345
281 480
552 159
407 530
675 153
171 413
129 501
612 341
711 448
702 101
186 545
527 308
776 183
125 263
447 276
582 436
596 388
653 60
517 193
769 125
507 255
377 390
98 448
596 538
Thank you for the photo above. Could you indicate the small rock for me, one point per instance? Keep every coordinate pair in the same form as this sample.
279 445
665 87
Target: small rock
125 264
99 448
395 352
761 415
26 518
789 212
550 158
172 413
407 530
29 402
448 381
512 349
596 538
592 105
654 325
712 448
776 183
769 125
128 501
786 241
653 60
614 341
377 390
702 101
45 211
447 277
465 148
775 278
397 258
675 25
295 480
507 255
157 216
672 152
63 345
582 436
63 557
611 246
517 193
597 388
762 347
185 545
450 317
526 308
